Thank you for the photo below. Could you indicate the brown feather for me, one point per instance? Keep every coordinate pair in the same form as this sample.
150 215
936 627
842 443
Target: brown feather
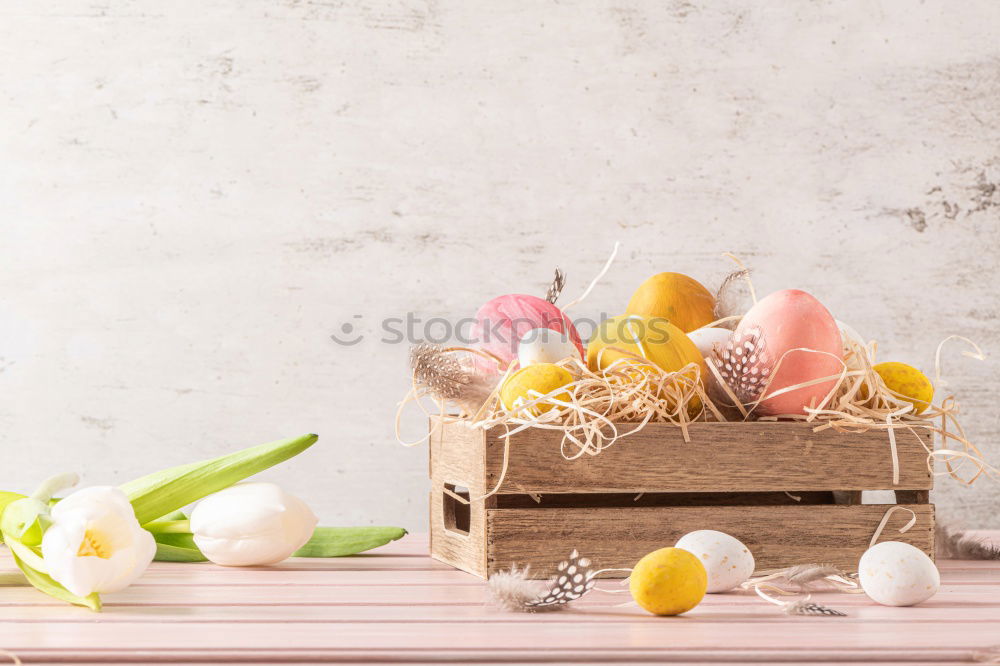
733 296
955 545
558 282
450 377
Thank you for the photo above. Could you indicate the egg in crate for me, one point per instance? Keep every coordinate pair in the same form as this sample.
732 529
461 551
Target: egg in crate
501 323
622 343
727 561
531 383
543 345
786 339
682 300
908 383
651 338
707 339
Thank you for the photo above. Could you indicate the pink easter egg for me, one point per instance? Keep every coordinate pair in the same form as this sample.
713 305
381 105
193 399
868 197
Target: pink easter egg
503 321
776 328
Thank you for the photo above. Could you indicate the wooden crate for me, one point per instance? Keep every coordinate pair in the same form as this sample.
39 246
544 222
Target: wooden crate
738 478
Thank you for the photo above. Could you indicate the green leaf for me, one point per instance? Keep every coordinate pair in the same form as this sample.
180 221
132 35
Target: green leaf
177 547
341 541
162 492
168 527
44 583
168 553
6 497
185 540
174 515
25 520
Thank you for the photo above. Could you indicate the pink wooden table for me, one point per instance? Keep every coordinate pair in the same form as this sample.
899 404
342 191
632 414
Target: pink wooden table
398 605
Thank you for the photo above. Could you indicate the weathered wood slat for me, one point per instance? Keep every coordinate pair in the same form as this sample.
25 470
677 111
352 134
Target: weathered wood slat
721 457
778 536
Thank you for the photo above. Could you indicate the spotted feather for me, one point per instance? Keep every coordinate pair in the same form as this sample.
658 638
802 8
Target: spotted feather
745 365
574 579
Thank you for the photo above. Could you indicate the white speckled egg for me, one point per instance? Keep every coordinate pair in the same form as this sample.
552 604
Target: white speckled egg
707 337
727 561
543 345
894 573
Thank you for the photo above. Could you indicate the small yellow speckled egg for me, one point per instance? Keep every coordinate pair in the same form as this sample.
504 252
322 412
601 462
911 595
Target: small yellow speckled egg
908 382
531 383
668 581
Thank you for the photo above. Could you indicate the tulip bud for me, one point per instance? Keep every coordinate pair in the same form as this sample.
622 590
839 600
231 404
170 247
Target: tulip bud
251 524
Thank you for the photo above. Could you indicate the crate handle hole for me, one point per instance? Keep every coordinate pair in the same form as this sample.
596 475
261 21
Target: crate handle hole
457 514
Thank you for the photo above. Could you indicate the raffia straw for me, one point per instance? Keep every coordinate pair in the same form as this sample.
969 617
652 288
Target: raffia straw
885 520
597 278
978 355
860 401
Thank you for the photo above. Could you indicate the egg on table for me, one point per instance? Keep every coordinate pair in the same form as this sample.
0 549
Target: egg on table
726 559
543 345
668 581
794 329
894 573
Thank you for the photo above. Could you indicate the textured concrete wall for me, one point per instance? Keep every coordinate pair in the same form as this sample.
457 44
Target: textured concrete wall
194 196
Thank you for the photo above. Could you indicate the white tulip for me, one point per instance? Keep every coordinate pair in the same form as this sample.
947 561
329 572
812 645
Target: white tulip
94 543
251 524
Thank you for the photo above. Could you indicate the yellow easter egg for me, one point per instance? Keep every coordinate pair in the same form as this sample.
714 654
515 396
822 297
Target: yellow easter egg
668 581
532 382
907 382
676 297
651 338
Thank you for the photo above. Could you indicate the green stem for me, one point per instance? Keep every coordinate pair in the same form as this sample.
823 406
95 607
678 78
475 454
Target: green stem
54 484
168 526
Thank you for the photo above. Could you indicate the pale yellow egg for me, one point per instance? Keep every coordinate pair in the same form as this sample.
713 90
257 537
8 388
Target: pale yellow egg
531 383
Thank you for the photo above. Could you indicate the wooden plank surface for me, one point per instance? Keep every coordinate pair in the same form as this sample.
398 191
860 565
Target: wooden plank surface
721 457
371 609
778 536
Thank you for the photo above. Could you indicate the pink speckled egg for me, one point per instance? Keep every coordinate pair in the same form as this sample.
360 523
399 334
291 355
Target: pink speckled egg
784 321
503 321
